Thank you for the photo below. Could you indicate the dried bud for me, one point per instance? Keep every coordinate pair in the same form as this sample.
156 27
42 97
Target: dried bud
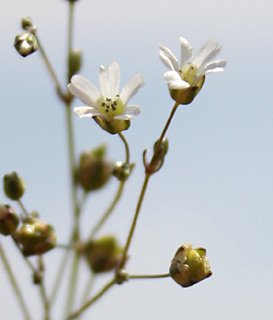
75 62
25 44
35 237
14 186
122 170
8 220
102 254
94 170
26 23
190 266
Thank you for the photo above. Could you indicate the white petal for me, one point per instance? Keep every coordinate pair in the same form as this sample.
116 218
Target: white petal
168 58
186 51
174 80
216 66
130 112
86 112
206 54
109 79
84 90
131 88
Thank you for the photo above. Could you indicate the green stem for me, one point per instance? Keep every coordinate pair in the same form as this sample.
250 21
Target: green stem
24 257
88 287
23 208
133 226
149 276
108 211
166 126
14 284
50 69
126 147
92 300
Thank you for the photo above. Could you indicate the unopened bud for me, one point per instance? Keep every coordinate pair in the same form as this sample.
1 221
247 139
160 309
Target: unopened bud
190 266
14 186
122 170
75 62
35 237
94 169
102 254
25 44
158 157
8 220
26 23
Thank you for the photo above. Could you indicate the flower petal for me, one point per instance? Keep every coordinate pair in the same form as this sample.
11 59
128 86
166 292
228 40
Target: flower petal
109 80
206 54
131 88
85 90
186 51
174 80
216 66
168 58
86 112
130 112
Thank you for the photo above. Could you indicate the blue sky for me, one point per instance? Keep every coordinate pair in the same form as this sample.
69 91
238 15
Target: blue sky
215 189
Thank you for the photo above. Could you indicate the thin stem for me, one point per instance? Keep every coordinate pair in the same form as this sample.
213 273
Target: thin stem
88 287
28 262
70 36
149 276
14 284
133 226
166 127
50 69
23 208
92 300
126 147
108 211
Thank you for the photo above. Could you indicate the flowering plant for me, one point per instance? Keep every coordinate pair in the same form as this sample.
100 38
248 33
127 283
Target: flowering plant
34 237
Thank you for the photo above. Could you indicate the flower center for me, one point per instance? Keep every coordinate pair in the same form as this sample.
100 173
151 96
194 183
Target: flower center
189 73
111 107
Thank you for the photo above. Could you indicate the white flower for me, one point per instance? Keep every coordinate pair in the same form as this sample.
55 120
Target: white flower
189 76
107 105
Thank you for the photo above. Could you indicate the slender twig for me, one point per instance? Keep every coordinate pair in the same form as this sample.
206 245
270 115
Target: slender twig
149 276
14 284
127 150
23 208
89 284
133 226
108 211
74 315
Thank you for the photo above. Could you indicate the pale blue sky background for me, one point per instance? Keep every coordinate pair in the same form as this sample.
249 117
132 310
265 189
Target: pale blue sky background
215 189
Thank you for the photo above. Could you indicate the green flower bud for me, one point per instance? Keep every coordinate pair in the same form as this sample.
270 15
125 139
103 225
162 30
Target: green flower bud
14 186
25 44
35 237
26 23
102 254
190 266
186 96
112 126
94 170
8 220
122 170
158 157
74 61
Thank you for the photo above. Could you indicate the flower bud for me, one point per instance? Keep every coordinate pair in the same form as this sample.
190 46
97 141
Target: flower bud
26 23
8 220
190 266
25 44
158 157
122 170
112 126
14 186
102 255
35 237
74 61
94 170
186 95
